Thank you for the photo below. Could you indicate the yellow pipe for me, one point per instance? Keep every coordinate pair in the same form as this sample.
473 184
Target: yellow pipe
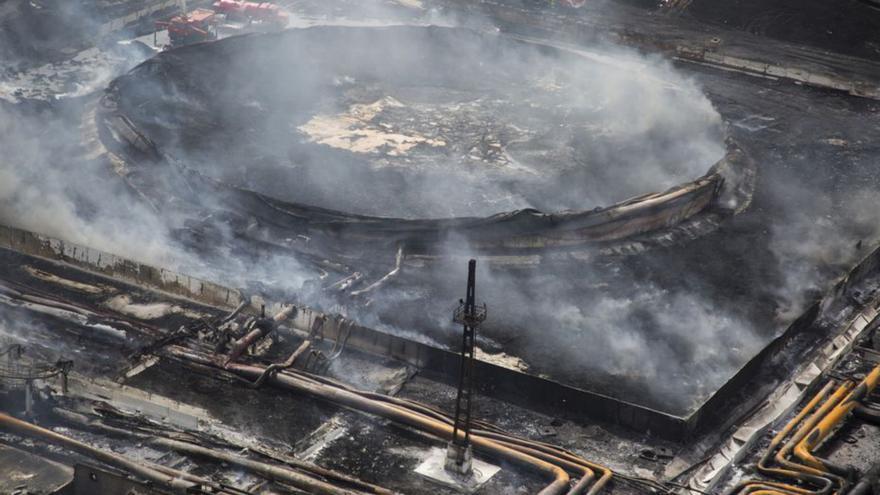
796 420
830 421
776 485
587 474
829 405
808 437
607 474
796 474
559 455
560 478
779 437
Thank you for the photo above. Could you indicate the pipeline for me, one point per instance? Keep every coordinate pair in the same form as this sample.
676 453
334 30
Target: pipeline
422 417
263 327
804 449
283 474
559 477
548 452
783 457
158 473
489 431
176 481
813 425
276 367
297 480
750 486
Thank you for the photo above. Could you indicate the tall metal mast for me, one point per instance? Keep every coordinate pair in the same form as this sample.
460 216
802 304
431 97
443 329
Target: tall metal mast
459 454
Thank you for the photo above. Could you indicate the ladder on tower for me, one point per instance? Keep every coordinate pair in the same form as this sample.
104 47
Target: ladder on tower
459 454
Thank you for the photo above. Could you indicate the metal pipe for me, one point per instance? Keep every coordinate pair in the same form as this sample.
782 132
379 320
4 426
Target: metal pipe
264 327
301 481
771 488
586 474
328 474
557 454
174 482
825 483
276 367
409 404
398 259
557 486
750 486
868 483
815 418
830 421
84 421
231 316
552 453
869 414
560 478
817 428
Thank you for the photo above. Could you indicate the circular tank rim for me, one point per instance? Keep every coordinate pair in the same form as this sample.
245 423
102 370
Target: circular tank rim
512 232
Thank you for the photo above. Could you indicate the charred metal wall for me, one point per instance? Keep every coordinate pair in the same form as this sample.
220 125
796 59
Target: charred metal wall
517 233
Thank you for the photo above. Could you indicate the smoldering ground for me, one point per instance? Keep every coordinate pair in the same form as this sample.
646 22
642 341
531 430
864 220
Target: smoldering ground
48 185
618 119
686 313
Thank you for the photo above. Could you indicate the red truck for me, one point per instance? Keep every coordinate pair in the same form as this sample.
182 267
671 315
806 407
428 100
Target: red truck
192 27
252 12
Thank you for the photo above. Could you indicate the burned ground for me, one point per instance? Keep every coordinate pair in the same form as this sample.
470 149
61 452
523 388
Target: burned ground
605 325
246 143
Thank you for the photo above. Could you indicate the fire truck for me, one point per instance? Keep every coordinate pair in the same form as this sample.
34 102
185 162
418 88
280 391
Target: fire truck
187 28
265 13
202 24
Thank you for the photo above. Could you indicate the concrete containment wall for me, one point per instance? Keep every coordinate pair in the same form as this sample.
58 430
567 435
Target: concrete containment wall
502 383
834 322
116 267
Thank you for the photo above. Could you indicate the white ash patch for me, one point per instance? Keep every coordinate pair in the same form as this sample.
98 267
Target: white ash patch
356 131
123 304
64 282
502 359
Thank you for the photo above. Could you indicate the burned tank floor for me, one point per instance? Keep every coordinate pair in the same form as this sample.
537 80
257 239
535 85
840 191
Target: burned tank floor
421 122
